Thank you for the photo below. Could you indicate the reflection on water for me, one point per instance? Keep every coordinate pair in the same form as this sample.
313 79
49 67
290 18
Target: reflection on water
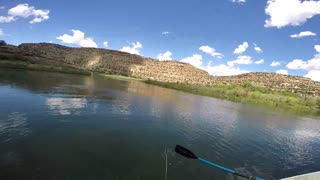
14 126
65 106
80 127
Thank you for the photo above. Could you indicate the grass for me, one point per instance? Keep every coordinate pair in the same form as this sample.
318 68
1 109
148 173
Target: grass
16 64
247 93
119 77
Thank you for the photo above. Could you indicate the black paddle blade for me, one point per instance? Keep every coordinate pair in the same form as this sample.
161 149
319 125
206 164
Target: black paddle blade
185 152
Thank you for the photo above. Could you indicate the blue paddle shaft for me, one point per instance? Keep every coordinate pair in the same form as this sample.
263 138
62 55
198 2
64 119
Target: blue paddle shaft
222 168
216 166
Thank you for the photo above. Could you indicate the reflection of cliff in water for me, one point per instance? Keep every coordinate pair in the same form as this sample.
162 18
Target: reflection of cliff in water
36 81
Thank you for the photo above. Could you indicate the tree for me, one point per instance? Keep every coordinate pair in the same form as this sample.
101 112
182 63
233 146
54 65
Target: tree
2 43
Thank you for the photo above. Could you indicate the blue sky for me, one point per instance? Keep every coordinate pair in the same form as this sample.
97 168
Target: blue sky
203 33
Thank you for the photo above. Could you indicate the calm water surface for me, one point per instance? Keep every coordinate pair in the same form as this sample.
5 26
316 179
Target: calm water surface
60 127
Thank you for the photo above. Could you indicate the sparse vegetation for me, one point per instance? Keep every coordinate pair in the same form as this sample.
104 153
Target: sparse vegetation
247 93
41 67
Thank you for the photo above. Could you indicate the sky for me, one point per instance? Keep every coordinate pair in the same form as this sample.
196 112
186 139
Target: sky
223 37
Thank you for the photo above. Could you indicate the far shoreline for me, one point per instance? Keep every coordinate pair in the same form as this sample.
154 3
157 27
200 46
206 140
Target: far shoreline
288 102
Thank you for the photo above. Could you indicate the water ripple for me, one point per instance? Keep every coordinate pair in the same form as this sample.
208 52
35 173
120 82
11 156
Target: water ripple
15 126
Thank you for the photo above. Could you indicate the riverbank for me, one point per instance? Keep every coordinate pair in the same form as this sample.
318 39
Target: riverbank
247 93
119 77
41 67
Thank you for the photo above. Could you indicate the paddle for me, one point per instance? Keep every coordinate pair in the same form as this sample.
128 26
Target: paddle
187 153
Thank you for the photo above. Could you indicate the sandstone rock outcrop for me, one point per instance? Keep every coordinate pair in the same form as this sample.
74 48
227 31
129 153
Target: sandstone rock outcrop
116 62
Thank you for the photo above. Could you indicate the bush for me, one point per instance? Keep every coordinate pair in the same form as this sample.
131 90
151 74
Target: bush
2 43
247 85
248 93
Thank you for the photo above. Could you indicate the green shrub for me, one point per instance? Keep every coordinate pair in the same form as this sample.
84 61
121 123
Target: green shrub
2 43
247 93
247 85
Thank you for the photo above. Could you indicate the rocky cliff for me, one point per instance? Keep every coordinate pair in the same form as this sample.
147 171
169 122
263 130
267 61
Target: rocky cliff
116 62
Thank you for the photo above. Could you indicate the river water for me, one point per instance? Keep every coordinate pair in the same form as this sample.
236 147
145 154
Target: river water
60 127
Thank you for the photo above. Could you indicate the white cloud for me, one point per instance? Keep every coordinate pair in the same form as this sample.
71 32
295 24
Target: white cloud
1 32
317 48
282 71
257 49
25 11
134 49
218 70
314 75
275 63
195 60
224 70
211 51
165 32
239 1
296 64
6 19
290 12
241 48
261 61
2 7
241 60
165 56
303 34
78 38
105 44
312 64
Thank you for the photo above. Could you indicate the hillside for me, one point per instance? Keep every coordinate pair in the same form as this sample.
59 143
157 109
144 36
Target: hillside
116 62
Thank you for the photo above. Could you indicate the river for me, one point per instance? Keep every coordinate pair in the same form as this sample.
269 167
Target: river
58 126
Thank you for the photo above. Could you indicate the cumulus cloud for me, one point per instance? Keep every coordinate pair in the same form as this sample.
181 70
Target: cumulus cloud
134 49
1 32
317 48
290 12
261 61
282 71
239 1
195 60
275 63
312 64
7 19
303 34
314 75
165 56
105 44
224 70
257 49
78 38
241 60
211 51
25 11
165 32
217 70
296 64
241 48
